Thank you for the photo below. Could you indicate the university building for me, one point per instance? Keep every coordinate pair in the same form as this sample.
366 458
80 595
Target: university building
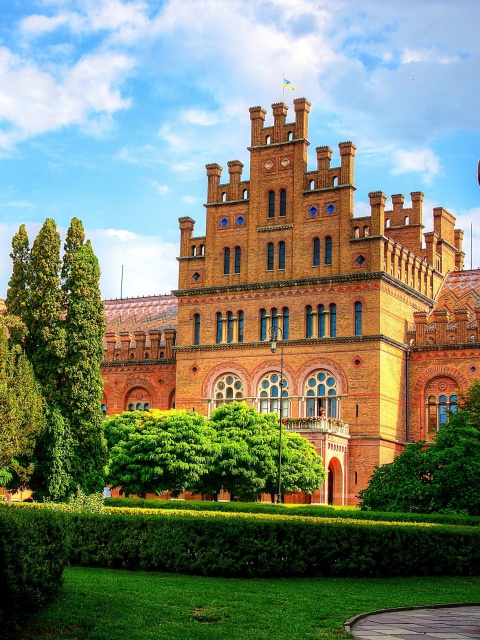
376 322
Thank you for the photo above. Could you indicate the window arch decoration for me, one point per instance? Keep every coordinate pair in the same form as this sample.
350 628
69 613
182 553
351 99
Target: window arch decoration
358 318
196 329
228 388
283 203
270 256
321 394
441 398
316 252
281 255
325 364
226 261
138 399
271 204
273 391
328 250
237 260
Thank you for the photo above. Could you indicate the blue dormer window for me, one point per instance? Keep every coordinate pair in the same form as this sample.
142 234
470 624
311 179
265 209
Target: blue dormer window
360 260
224 222
313 211
196 276
330 208
240 220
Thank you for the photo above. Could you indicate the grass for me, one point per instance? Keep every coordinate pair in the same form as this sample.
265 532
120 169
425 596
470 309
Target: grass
107 604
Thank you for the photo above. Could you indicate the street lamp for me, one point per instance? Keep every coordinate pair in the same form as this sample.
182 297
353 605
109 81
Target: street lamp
273 347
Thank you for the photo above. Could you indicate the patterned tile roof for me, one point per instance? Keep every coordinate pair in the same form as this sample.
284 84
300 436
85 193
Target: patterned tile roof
459 289
141 314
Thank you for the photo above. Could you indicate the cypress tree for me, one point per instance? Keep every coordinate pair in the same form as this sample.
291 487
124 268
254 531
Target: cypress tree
74 240
82 383
45 342
45 348
19 285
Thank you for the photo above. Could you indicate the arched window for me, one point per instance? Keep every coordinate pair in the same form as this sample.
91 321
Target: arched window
316 252
321 395
366 231
281 255
229 327
308 322
138 399
333 320
286 322
321 321
269 393
263 324
358 318
274 317
196 328
228 388
226 261
238 258
441 399
271 204
283 203
270 256
241 324
356 232
219 328
104 409
328 250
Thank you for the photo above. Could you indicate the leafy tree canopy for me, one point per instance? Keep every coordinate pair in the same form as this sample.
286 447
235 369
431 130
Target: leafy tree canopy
444 476
158 451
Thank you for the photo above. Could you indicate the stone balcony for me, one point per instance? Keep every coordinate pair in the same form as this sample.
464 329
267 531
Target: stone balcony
324 425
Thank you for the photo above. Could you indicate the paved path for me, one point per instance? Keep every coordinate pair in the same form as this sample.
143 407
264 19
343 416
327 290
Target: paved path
448 623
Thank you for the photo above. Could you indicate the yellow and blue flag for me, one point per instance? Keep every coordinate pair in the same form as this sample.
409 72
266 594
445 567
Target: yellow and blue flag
287 83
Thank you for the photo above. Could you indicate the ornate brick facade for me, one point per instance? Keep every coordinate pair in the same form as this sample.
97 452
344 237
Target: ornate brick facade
376 321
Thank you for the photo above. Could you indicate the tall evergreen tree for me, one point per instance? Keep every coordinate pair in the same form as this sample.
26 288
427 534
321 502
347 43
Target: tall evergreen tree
21 406
45 348
19 286
82 385
74 240
45 342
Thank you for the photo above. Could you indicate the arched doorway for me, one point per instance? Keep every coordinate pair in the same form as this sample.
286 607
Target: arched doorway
335 482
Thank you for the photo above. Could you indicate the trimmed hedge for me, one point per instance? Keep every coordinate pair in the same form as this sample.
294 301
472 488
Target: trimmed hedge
266 546
32 556
311 511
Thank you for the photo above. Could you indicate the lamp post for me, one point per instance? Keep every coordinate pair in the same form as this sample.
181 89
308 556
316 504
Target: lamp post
273 347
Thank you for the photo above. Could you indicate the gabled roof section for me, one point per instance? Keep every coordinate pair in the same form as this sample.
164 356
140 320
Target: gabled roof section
459 289
141 314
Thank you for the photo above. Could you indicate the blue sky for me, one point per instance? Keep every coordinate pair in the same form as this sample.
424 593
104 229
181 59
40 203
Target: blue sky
110 109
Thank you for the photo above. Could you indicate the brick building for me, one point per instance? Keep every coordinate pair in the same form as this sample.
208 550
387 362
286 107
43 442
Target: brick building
376 321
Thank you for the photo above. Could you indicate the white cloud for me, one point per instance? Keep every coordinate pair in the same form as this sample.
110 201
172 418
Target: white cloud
422 161
190 199
200 116
161 189
149 263
34 101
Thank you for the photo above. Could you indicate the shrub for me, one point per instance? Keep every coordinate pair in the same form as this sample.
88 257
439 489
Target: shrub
32 555
236 544
312 511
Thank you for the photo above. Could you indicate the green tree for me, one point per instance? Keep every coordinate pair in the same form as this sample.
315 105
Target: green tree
18 293
247 451
81 384
455 459
440 477
45 341
302 467
158 451
21 407
75 239
401 485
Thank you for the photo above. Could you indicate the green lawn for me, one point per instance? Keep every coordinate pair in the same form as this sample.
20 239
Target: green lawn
107 604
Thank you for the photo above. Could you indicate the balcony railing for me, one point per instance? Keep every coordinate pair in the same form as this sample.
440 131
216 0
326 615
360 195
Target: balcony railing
327 425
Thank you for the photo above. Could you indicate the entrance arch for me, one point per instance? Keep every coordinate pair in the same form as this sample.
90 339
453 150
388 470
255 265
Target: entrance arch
335 482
